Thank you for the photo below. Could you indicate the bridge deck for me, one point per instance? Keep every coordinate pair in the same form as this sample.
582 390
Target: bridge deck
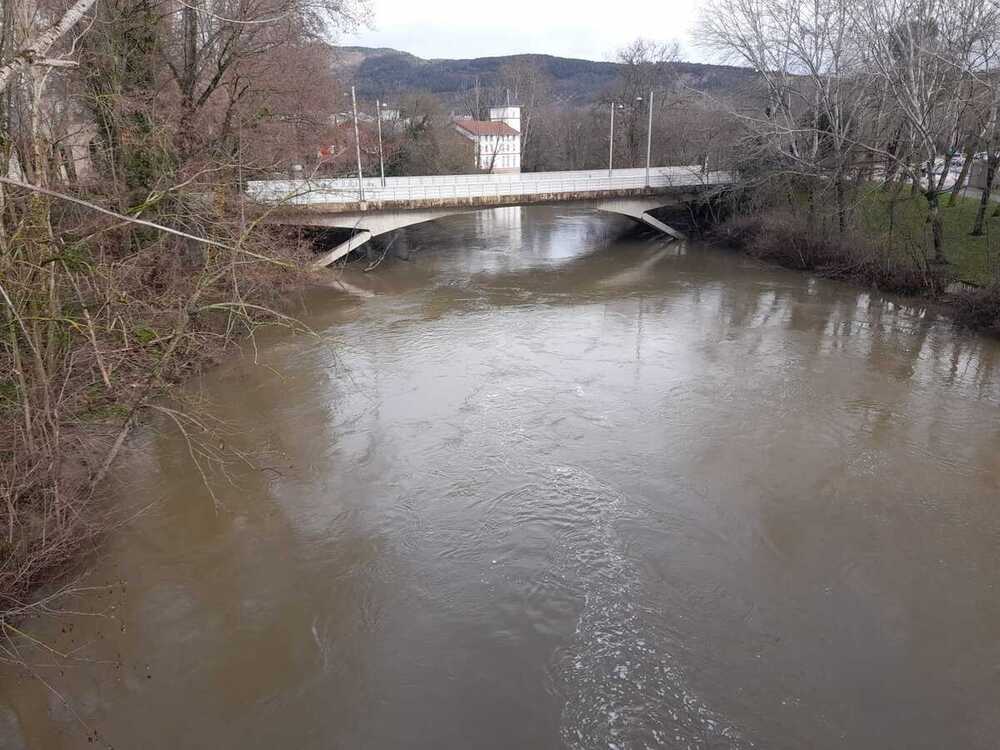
402 190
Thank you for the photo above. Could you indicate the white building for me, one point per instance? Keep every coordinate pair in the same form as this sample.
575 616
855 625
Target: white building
497 141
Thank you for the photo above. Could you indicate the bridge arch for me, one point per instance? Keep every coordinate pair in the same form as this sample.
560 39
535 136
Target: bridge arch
368 225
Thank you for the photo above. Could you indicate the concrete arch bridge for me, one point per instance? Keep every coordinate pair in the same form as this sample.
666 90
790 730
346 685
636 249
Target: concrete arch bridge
370 209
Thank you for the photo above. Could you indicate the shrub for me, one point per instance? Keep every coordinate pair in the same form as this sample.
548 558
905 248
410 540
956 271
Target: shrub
979 309
790 239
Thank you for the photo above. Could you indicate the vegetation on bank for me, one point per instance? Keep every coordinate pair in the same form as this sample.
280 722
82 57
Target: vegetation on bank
902 219
128 259
886 244
875 114
97 332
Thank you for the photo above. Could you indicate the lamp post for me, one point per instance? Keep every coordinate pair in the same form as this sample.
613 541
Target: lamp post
381 158
611 140
649 138
638 102
357 147
611 145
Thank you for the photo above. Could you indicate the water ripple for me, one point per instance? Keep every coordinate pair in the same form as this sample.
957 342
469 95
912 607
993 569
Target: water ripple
621 690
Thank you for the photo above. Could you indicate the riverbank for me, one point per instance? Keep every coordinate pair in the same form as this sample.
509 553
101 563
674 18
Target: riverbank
886 246
97 340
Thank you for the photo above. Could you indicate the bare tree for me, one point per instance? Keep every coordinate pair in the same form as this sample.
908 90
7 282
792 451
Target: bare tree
35 46
850 84
645 66
527 85
808 61
428 143
922 52
985 64
205 42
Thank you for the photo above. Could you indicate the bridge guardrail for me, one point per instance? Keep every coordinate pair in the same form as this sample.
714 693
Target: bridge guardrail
403 189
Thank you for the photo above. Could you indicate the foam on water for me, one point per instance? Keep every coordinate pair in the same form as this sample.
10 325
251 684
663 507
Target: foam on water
621 690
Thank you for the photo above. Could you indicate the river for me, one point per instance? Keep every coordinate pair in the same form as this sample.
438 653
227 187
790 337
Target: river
546 484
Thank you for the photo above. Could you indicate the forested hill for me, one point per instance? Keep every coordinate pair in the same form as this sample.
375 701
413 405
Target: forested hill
387 72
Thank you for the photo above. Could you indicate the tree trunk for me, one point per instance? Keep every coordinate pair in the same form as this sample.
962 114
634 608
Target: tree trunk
189 76
937 228
892 163
841 206
984 199
39 46
963 176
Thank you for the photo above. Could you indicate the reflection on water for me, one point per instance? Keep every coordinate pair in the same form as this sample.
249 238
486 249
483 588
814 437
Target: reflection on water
546 485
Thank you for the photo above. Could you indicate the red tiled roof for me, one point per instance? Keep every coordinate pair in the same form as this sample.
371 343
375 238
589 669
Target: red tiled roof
479 127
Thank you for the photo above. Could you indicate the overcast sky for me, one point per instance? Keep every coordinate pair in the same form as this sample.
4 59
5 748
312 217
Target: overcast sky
569 28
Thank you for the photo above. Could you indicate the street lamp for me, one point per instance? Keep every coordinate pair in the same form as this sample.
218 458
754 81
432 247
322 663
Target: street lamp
611 140
381 158
357 146
649 132
649 138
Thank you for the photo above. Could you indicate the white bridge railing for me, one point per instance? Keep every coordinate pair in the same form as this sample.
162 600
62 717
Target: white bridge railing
443 187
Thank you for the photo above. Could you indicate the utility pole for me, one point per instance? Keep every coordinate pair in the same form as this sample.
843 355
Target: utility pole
357 147
611 143
239 178
649 138
381 158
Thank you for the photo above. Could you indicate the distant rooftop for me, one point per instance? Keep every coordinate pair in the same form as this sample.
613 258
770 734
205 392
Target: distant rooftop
479 127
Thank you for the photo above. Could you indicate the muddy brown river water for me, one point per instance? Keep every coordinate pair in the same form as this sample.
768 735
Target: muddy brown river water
547 485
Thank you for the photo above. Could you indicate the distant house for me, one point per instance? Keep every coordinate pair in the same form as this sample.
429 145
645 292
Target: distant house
341 118
497 141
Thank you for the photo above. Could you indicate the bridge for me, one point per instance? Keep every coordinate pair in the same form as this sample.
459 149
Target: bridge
370 209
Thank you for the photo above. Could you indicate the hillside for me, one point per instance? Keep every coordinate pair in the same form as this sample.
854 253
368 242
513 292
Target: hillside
387 72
